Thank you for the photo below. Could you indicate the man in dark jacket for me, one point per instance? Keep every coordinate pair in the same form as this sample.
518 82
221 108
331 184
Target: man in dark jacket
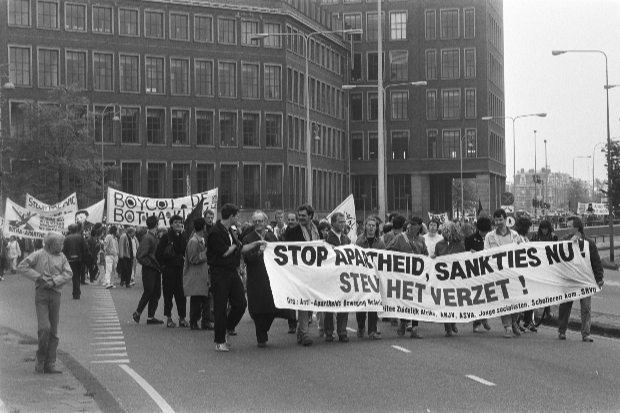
151 273
337 237
575 233
170 254
75 249
475 242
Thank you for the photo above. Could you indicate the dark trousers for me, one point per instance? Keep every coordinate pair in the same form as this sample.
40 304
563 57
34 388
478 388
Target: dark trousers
373 317
172 283
199 309
76 268
151 280
263 323
341 324
226 286
93 270
528 317
292 319
126 267
47 302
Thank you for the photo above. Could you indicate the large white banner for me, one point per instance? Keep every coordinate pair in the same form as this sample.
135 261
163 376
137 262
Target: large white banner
456 288
67 206
347 207
20 222
91 215
127 209
443 217
594 207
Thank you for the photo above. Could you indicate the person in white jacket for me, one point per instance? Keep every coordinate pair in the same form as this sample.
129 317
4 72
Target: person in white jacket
13 253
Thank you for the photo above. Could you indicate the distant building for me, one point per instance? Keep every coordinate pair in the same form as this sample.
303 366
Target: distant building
551 188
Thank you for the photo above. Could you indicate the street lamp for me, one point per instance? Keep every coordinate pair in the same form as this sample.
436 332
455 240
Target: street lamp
546 198
7 86
114 119
593 152
381 158
306 38
609 166
535 180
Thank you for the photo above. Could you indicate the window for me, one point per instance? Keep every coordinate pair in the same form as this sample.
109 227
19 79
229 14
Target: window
227 191
451 144
102 71
470 142
373 145
179 76
155 180
130 177
204 127
449 20
356 67
48 68
204 77
274 186
203 29
399 67
76 68
249 81
273 130
431 64
102 19
227 73
155 126
47 15
226 31
357 146
154 24
180 175
17 120
469 28
399 186
399 105
451 104
373 106
249 29
130 125
180 126
75 17
450 64
398 25
154 69
272 41
107 122
353 21
179 26
205 177
129 67
356 107
128 22
373 66
372 26
228 129
273 82
431 137
251 128
430 21
400 145
19 67
19 13
431 104
470 103
470 63
251 186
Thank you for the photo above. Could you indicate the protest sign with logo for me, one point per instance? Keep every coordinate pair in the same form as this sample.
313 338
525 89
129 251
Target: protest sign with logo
455 288
20 222
347 207
127 209
443 217
592 208
91 215
67 206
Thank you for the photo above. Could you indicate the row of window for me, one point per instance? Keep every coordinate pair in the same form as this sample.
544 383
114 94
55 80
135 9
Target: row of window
324 98
364 189
326 141
451 63
319 52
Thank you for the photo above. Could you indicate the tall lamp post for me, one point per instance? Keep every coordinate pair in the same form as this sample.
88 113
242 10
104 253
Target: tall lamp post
115 118
593 152
546 179
609 167
7 86
535 180
306 38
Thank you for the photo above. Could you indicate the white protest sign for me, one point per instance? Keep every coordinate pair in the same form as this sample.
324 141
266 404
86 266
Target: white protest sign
127 209
595 208
443 217
67 206
20 222
93 214
347 207
454 288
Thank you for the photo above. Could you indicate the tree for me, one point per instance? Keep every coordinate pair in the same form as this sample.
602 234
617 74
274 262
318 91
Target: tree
53 153
577 191
615 176
470 202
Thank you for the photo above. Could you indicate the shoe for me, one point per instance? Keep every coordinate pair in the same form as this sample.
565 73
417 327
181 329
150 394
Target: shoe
409 326
39 367
562 336
121 284
449 333
136 316
109 286
516 330
183 323
51 370
533 328
132 282
207 326
486 325
508 333
329 338
415 333
401 329
221 347
154 321
394 322
374 336
76 297
521 328
587 338
262 345
227 342
343 339
232 332
321 332
292 330
306 342
360 333
477 328
194 326
127 286
454 329
84 283
169 323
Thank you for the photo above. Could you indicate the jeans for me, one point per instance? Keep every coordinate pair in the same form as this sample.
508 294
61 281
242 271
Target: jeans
508 320
373 317
151 280
125 264
200 309
586 315
341 324
226 286
172 283
110 269
76 268
47 302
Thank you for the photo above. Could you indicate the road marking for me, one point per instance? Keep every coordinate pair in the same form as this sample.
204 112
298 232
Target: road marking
479 380
109 338
112 355
109 343
105 324
399 348
107 328
163 405
107 333
113 349
117 361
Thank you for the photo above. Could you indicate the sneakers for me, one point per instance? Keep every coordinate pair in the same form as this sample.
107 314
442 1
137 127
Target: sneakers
587 338
262 345
232 332
321 332
306 342
194 326
415 333
486 325
343 339
169 323
39 367
109 286
360 333
207 326
154 321
132 282
531 327
329 337
222 347
183 323
401 328
374 336
562 336
292 330
516 330
477 328
508 332
228 343
449 333
136 316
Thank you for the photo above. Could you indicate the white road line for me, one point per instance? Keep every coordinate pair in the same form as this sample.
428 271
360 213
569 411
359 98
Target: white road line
112 355
163 405
105 324
113 349
479 380
109 338
109 343
118 361
106 328
108 333
399 348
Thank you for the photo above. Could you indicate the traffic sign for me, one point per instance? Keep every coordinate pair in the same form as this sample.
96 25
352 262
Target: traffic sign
508 198
510 222
510 209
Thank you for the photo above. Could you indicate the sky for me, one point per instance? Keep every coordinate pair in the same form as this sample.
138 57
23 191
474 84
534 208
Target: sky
569 87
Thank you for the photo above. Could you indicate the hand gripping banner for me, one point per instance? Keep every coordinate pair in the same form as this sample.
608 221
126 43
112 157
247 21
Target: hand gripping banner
455 288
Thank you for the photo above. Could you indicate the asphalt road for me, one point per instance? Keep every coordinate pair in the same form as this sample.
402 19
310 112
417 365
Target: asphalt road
469 372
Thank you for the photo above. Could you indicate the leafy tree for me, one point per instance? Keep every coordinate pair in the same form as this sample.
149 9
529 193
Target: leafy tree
470 200
577 191
615 176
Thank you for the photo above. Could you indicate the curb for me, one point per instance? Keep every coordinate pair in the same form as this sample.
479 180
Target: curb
600 329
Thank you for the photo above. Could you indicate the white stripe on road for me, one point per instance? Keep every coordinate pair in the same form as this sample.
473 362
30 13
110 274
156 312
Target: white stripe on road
108 333
163 405
399 348
109 343
112 355
117 361
106 328
109 338
113 349
479 380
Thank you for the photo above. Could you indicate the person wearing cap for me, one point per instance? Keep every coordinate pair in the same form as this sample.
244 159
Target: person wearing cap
76 250
474 243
